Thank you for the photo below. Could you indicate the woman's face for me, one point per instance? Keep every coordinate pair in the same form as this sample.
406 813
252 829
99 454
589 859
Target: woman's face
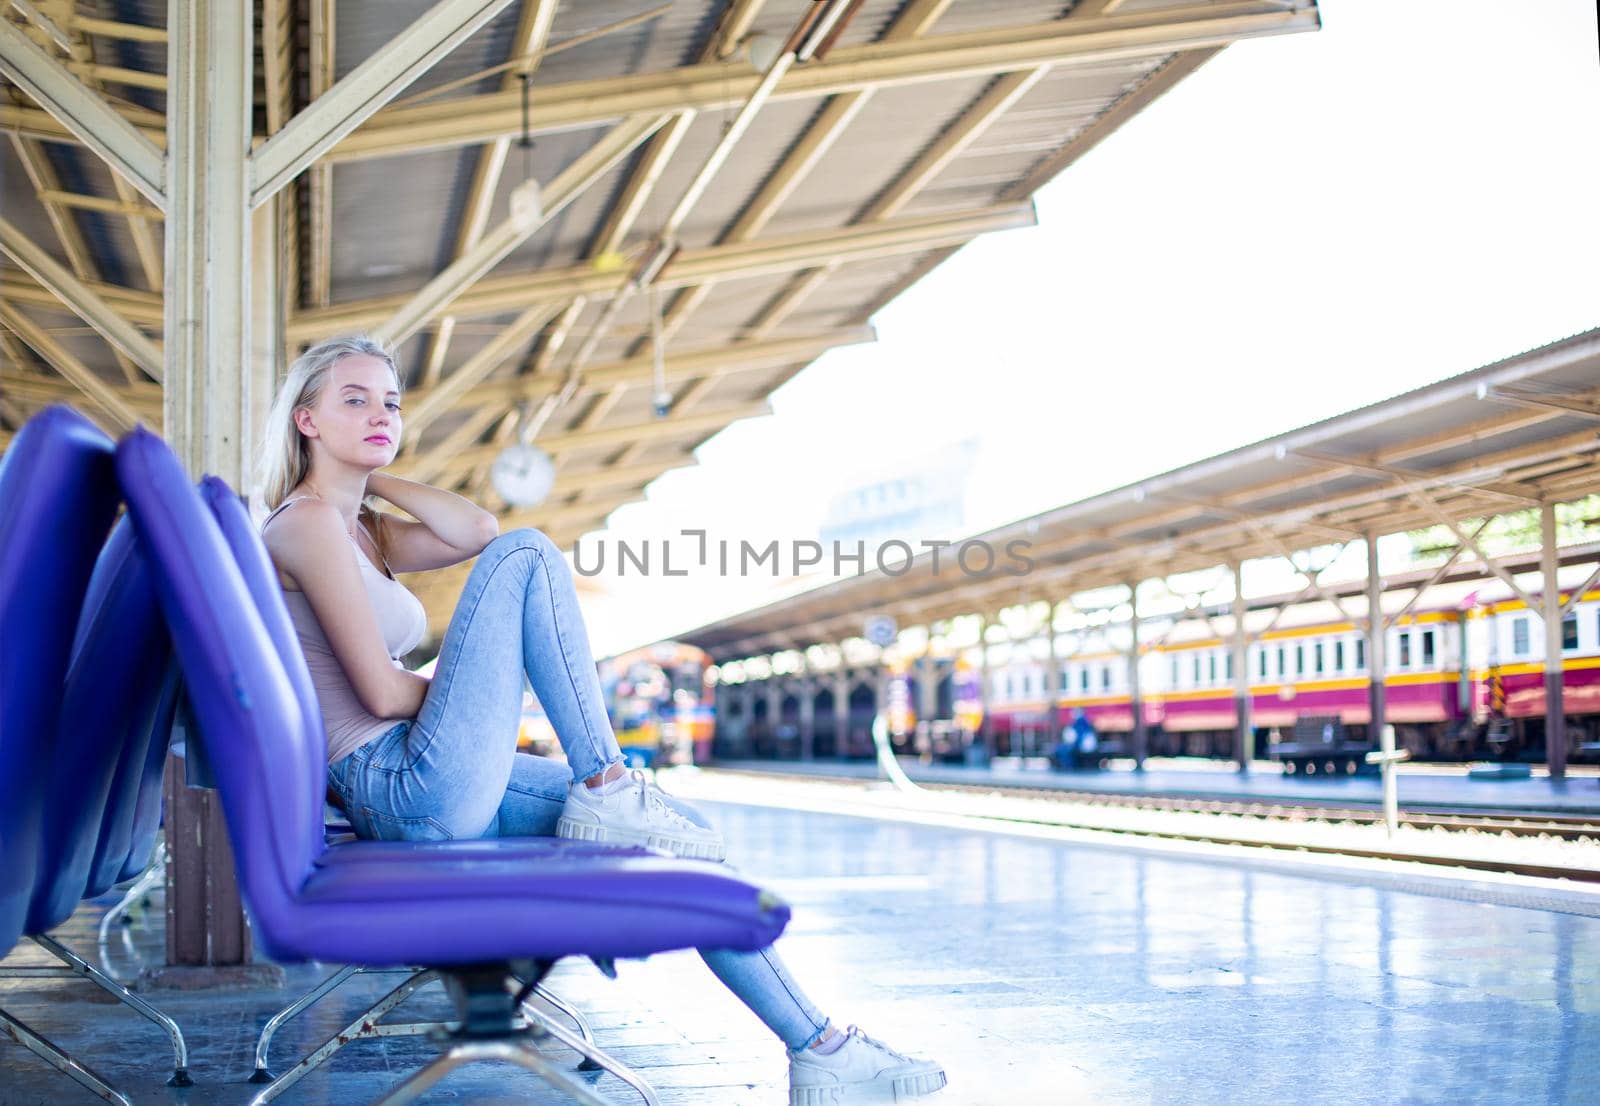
357 417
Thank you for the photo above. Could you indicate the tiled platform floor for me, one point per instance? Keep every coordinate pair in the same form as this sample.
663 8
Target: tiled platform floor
1039 972
1429 785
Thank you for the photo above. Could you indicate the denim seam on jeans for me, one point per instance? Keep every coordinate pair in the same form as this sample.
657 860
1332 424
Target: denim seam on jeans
566 661
820 1029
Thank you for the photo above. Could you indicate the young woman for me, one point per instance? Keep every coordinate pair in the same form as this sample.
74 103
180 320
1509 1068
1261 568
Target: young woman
414 758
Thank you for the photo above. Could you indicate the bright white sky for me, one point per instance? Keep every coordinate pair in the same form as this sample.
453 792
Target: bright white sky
1304 226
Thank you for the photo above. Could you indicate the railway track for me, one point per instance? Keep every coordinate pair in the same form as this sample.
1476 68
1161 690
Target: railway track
1516 823
1233 824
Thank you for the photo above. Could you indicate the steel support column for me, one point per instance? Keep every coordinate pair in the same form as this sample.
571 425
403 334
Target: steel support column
808 719
1141 737
927 679
1375 627
211 402
841 707
774 699
984 728
1555 719
1052 679
1243 746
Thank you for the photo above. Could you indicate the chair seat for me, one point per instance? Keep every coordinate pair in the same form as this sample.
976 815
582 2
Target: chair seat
379 902
532 849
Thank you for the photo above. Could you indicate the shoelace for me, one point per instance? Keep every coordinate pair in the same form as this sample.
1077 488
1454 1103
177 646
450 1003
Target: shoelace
651 795
855 1032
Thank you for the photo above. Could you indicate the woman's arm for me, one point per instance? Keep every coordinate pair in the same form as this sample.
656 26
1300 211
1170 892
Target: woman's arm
449 528
310 545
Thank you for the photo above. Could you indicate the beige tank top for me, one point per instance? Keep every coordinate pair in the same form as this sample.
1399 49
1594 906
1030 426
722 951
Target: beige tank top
402 621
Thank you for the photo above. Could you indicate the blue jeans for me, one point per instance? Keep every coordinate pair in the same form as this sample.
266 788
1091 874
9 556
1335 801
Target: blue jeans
454 772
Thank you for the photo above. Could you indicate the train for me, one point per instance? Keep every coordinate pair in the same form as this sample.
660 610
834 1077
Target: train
658 699
1464 680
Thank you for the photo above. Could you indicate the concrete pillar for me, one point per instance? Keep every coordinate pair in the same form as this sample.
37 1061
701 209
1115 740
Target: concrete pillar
1555 719
1242 742
1377 631
1141 738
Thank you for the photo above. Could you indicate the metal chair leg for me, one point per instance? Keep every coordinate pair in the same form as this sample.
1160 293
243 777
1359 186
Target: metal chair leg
264 1042
154 874
594 1058
180 1051
465 1052
365 1026
578 1019
60 1060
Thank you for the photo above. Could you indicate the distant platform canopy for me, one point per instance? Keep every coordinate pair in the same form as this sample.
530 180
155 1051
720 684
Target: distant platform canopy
624 222
1508 436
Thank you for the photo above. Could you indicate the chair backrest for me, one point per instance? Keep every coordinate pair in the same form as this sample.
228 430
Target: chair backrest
113 684
58 496
124 850
244 703
261 580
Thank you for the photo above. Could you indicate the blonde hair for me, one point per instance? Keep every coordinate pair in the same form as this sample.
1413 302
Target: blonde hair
285 452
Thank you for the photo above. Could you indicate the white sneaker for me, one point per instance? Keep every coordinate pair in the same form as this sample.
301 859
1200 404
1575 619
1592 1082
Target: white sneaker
860 1071
635 813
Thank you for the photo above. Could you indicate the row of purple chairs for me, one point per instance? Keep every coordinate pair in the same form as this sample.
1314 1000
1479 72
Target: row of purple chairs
486 918
87 693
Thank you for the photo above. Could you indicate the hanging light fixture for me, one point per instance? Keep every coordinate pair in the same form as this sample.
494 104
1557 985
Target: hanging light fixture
522 473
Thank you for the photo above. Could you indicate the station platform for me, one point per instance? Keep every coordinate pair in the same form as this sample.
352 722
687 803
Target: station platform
1421 786
1037 971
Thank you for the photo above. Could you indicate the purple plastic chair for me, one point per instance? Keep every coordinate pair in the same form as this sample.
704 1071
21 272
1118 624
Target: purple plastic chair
96 762
489 922
58 496
261 580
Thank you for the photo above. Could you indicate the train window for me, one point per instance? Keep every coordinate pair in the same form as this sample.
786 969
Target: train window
1427 648
1361 655
1569 631
1519 637
1083 678
1283 667
1174 671
1338 656
1212 657
1261 663
1405 651
1227 666
1196 668
1316 657
1300 659
1105 677
1063 681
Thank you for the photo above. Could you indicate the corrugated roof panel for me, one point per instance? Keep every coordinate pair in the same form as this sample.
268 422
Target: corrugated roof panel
874 150
982 15
377 247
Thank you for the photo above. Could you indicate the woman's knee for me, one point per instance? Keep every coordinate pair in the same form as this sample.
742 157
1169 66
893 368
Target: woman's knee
524 537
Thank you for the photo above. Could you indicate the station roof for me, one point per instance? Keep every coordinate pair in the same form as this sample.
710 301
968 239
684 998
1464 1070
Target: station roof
1502 437
921 125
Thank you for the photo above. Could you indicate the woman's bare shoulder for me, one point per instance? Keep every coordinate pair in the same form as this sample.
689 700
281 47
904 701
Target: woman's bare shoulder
305 533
